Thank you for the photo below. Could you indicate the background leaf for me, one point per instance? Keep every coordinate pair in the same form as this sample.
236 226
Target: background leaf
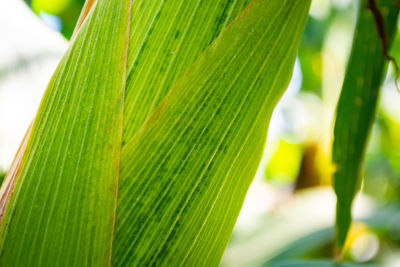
357 107
185 173
319 263
61 210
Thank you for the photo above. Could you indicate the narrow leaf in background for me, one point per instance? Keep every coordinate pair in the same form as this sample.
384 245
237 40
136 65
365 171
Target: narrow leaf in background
185 174
357 107
61 210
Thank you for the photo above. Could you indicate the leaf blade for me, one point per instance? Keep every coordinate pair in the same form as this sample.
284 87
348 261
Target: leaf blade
356 109
159 214
165 39
61 211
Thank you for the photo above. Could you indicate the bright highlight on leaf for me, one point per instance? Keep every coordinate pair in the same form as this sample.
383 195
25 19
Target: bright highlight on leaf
165 38
50 6
185 173
357 106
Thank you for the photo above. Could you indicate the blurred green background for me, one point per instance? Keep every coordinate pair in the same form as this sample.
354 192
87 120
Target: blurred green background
289 211
61 14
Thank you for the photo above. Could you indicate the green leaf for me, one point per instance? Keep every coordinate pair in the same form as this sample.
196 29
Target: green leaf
2 175
62 208
49 6
165 38
357 107
185 173
380 221
301 246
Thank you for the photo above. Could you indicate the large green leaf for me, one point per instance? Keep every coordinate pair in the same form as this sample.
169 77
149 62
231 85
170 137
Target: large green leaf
165 38
185 173
62 208
357 106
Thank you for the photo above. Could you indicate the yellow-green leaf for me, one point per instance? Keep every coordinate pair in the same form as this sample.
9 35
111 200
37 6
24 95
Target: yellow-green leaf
185 173
165 38
62 207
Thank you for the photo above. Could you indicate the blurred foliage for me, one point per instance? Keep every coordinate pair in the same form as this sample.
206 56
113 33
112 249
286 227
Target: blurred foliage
319 263
2 176
284 165
66 12
382 170
382 166
310 54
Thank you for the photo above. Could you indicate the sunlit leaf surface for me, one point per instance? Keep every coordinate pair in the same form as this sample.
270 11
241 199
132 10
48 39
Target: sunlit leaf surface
185 173
165 38
61 211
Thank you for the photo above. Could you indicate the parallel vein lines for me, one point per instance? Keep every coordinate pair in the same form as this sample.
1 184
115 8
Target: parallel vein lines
167 192
64 199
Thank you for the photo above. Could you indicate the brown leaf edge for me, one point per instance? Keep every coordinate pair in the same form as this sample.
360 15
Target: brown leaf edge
10 179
